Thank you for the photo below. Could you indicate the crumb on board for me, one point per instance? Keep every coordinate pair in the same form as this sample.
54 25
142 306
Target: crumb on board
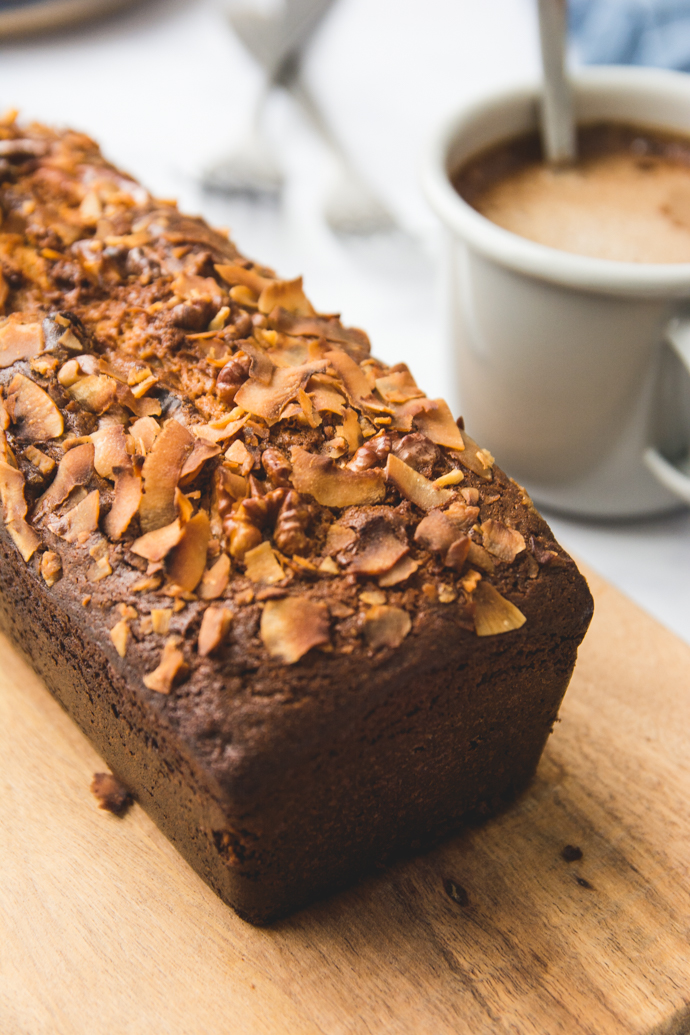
112 795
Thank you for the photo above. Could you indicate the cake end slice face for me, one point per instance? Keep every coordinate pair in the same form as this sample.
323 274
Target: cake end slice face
299 611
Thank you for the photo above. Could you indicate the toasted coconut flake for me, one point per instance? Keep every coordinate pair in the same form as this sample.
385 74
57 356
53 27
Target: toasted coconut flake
414 486
214 628
234 274
110 450
386 626
14 511
51 567
156 545
325 396
503 542
201 452
378 549
436 422
171 668
435 532
372 597
288 294
493 614
339 538
354 379
45 464
262 565
480 558
160 620
231 484
215 580
462 516
144 432
351 431
398 386
268 401
189 286
239 456
452 478
334 486
75 469
19 340
292 626
119 634
4 416
33 410
95 393
329 566
400 572
311 415
479 461
79 522
458 553
212 434
126 501
187 561
161 473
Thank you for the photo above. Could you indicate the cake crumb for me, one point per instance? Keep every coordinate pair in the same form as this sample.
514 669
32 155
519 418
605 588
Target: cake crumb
571 853
112 795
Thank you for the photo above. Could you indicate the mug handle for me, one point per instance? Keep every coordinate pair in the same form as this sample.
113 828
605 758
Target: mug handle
673 479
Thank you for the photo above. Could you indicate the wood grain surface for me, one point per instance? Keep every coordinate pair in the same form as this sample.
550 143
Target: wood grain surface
104 930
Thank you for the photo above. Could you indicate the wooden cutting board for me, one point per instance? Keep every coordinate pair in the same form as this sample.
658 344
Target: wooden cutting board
104 930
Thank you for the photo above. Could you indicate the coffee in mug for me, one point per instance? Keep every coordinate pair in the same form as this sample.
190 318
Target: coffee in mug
627 198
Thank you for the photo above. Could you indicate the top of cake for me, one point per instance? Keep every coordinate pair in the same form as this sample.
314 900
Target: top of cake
188 445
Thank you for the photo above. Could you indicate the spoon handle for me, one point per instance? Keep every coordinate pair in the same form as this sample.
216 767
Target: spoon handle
557 121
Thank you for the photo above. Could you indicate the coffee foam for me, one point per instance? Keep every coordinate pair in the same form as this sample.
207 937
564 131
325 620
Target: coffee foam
628 204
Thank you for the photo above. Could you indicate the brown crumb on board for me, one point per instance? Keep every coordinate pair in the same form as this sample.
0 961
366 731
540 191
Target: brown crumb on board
571 853
112 795
456 892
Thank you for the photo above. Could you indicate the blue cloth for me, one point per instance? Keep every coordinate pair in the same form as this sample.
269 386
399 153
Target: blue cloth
631 32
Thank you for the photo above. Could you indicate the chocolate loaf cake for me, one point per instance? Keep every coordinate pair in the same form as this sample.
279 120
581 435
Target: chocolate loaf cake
302 615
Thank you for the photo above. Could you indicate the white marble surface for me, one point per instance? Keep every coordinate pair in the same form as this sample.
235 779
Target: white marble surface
165 87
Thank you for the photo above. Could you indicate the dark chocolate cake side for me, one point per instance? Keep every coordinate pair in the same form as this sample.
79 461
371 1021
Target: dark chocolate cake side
298 610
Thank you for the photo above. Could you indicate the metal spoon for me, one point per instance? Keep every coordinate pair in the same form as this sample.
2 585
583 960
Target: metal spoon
557 119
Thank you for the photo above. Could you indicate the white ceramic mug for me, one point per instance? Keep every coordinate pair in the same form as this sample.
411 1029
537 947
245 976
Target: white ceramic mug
573 371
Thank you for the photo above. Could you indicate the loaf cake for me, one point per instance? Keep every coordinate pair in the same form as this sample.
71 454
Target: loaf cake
303 616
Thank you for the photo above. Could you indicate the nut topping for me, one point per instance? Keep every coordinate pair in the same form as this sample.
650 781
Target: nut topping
51 567
262 565
504 543
333 486
187 560
161 473
74 470
215 580
14 511
19 340
386 626
214 628
78 523
414 486
291 525
171 668
493 614
32 409
292 626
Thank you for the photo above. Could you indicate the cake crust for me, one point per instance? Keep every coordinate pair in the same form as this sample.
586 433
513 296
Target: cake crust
298 610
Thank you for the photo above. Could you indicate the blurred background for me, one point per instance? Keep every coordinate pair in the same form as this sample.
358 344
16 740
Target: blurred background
170 91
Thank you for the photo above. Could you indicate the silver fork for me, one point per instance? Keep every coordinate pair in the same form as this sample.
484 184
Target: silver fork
273 38
277 41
